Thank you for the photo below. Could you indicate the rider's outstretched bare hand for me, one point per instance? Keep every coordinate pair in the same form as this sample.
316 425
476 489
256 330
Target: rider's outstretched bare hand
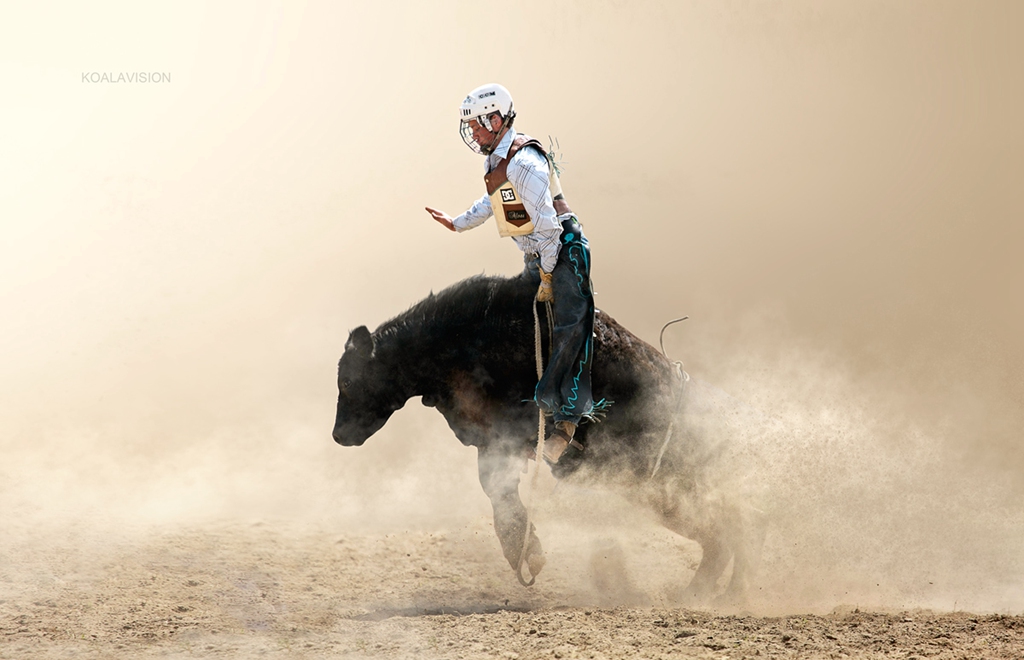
441 217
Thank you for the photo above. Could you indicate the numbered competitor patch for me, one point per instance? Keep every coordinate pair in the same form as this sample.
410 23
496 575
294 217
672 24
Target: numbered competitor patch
508 195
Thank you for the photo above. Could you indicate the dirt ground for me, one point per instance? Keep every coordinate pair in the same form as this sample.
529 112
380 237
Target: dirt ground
277 589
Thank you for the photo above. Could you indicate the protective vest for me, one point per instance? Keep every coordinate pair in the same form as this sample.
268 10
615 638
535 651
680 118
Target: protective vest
509 212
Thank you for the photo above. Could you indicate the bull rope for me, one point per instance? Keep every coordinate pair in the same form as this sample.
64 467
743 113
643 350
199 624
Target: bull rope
539 452
683 379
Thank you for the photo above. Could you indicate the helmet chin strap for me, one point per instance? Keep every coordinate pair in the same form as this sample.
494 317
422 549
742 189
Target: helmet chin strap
489 149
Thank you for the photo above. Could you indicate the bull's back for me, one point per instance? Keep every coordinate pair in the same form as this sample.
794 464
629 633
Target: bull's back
627 370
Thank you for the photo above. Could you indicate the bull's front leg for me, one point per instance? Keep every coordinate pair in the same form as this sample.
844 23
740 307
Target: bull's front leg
499 476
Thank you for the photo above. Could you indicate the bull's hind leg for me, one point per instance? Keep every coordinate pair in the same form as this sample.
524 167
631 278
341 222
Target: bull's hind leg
714 558
499 476
747 542
725 529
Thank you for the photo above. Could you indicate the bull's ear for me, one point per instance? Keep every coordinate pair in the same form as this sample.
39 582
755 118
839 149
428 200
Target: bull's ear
360 341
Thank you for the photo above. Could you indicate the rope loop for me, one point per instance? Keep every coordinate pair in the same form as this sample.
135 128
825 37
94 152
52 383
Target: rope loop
683 379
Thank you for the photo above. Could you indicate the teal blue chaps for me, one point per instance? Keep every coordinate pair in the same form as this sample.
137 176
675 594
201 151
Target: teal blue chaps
564 389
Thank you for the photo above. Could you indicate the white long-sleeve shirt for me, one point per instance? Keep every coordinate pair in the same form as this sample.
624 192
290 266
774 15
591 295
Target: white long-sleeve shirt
528 172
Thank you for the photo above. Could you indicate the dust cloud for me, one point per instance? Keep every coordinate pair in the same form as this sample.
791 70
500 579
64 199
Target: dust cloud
831 192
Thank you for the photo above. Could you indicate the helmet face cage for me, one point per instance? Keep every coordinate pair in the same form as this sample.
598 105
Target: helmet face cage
466 130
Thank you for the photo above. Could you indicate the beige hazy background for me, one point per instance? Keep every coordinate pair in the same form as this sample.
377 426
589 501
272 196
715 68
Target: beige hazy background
832 192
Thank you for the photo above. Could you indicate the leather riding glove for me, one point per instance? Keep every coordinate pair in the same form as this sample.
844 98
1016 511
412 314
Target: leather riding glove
544 292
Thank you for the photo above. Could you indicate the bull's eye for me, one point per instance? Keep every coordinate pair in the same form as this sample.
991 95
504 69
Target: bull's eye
345 383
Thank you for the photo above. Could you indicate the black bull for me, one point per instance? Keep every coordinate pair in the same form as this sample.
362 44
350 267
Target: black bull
469 352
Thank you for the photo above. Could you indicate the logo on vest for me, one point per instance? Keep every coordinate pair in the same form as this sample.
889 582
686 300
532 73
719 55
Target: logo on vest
518 218
508 195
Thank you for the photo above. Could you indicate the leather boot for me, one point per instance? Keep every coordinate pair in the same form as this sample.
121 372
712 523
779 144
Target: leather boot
558 441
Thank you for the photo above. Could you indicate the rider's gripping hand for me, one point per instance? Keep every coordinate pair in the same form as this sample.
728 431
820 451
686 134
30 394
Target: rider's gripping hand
544 292
441 217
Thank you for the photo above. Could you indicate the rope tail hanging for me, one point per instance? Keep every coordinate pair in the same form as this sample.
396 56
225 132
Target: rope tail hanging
683 379
661 336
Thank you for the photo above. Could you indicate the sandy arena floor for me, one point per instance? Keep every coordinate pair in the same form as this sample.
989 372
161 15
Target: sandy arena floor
291 591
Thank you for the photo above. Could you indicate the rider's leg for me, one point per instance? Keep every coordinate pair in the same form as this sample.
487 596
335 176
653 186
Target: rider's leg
564 389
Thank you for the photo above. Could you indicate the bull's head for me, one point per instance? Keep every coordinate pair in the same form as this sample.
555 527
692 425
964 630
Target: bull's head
368 391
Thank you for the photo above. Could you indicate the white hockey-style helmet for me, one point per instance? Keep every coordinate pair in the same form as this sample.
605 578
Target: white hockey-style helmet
478 106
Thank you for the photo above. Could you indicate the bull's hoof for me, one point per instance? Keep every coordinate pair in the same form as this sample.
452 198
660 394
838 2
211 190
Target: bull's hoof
735 599
698 593
686 597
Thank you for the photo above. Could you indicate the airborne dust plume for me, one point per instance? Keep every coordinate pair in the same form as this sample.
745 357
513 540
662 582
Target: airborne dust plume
831 193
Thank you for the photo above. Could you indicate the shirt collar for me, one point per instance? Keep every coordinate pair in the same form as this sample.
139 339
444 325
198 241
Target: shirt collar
501 151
